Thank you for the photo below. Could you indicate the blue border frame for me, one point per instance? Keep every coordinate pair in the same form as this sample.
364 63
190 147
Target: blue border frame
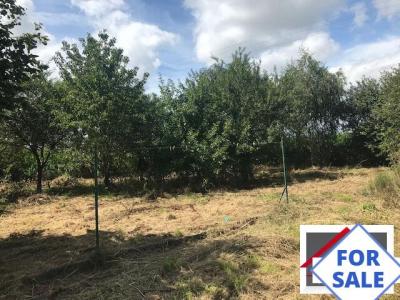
374 240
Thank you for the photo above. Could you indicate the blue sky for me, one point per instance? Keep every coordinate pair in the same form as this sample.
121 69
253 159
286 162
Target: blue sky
168 38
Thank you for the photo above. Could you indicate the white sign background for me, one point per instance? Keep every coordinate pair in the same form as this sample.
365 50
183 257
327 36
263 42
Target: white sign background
304 229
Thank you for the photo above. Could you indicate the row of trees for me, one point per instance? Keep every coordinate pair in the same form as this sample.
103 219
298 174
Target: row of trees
213 128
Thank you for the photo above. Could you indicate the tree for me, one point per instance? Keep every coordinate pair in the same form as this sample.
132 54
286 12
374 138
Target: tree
387 114
36 122
16 163
315 107
357 142
106 97
222 115
17 62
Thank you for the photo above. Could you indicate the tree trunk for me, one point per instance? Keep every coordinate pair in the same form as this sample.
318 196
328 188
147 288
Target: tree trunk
107 180
107 177
39 178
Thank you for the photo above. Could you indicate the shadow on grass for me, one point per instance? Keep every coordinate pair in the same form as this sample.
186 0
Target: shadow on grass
3 207
312 175
133 188
273 177
38 266
25 256
219 269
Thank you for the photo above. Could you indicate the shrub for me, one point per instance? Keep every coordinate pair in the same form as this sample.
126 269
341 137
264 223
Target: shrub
368 207
236 280
386 185
170 265
64 181
14 190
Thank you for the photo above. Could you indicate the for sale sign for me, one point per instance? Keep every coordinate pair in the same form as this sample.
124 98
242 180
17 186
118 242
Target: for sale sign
350 262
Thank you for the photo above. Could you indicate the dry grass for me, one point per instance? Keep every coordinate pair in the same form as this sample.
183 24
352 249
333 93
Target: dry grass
251 250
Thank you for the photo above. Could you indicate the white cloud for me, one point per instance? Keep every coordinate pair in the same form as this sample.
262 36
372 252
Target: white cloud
61 19
45 53
360 13
319 44
97 8
224 25
28 20
387 8
141 42
274 31
370 59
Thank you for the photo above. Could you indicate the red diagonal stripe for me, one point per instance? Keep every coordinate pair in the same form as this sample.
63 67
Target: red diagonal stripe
326 247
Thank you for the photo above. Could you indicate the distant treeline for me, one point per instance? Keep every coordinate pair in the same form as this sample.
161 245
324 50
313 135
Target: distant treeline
211 129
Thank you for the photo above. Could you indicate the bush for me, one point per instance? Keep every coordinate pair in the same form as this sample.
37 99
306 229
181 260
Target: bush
386 185
64 181
14 190
236 279
170 265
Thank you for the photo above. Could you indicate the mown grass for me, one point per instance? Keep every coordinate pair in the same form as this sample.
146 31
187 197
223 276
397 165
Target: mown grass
237 260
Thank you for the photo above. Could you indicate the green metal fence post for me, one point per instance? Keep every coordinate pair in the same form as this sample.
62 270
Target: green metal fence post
285 190
96 200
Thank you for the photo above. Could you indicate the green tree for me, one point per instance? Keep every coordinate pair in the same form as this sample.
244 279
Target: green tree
357 142
387 114
314 108
106 98
36 123
17 62
222 115
16 163
160 152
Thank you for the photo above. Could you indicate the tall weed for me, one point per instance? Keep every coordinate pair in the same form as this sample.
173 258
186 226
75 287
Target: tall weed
386 185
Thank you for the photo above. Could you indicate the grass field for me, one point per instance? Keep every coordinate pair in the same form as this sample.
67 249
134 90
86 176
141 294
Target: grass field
226 244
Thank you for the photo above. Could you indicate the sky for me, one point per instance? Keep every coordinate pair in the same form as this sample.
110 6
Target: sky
169 38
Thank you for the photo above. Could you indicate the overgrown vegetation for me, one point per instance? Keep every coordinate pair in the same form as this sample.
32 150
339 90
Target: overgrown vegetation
387 186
